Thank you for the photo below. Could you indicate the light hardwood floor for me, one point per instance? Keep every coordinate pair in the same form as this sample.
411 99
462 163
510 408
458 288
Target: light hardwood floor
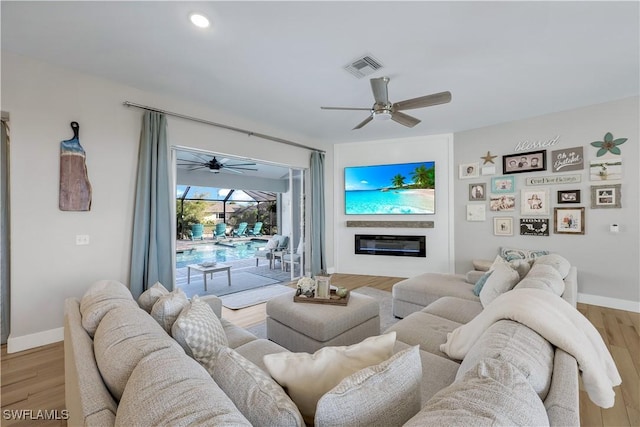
34 379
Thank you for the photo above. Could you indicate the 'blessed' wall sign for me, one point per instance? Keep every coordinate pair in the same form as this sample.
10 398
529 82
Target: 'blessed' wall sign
532 145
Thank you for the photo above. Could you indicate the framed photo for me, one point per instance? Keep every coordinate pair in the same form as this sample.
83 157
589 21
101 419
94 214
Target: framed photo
568 220
569 159
503 184
605 170
323 284
568 196
503 226
469 170
477 192
488 170
532 161
606 196
534 202
476 212
502 202
534 226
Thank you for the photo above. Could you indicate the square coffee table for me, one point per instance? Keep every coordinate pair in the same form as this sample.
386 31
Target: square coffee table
208 270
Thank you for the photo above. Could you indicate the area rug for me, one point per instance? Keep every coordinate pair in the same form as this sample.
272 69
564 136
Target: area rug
387 318
253 297
240 281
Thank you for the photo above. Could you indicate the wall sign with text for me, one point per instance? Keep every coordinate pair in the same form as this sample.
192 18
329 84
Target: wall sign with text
557 179
569 159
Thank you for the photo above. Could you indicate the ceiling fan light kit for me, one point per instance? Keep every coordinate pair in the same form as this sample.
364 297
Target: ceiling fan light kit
384 110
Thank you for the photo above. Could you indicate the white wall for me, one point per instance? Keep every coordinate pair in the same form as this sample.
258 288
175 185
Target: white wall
439 241
608 268
46 265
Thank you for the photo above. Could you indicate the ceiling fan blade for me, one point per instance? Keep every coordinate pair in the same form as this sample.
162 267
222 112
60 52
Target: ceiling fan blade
244 169
404 119
230 170
344 108
191 161
423 101
239 164
364 122
379 88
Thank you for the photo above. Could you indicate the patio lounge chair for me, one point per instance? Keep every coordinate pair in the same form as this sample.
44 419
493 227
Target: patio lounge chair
274 249
241 230
196 231
257 228
220 231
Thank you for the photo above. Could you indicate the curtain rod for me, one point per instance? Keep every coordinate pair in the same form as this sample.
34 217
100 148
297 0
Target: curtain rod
220 125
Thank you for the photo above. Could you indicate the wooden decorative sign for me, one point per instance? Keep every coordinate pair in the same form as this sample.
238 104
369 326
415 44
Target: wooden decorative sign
558 179
569 159
75 188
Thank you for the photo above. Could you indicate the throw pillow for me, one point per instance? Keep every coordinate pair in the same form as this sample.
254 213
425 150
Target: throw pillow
512 253
306 377
502 279
166 310
100 298
273 242
254 392
387 394
151 295
493 393
199 331
560 263
480 283
543 277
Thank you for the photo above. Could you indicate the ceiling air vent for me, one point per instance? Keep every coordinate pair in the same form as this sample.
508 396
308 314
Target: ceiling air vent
363 66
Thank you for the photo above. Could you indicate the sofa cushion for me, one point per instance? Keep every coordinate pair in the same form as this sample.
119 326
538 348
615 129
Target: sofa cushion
306 377
513 253
123 338
148 298
387 394
254 392
545 277
455 309
236 336
479 284
99 299
492 393
512 342
254 351
500 281
426 330
560 263
426 288
168 388
168 307
199 331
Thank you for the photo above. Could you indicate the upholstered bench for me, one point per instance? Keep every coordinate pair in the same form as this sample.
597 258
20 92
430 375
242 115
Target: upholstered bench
305 327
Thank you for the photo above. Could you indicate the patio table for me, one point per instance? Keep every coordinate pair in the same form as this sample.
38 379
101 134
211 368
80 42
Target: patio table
210 270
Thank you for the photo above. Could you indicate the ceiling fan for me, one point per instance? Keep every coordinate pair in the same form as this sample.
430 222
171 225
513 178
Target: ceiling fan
384 110
216 166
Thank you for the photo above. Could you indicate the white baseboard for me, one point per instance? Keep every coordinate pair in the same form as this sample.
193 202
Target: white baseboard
25 342
619 304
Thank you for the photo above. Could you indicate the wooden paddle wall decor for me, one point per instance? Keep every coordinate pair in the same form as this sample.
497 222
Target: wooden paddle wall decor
75 188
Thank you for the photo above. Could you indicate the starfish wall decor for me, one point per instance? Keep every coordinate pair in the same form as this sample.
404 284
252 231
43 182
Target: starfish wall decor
488 158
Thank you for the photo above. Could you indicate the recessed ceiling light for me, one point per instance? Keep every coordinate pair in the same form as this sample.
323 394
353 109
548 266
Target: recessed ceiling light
199 20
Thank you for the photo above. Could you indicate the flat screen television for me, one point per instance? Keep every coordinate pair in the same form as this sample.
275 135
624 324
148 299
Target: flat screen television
394 189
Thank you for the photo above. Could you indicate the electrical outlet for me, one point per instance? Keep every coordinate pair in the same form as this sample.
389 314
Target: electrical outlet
82 239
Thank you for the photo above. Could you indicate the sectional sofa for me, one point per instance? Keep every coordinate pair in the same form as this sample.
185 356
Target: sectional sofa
127 364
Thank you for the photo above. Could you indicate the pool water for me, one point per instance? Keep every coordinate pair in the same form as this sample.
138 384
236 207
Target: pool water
219 253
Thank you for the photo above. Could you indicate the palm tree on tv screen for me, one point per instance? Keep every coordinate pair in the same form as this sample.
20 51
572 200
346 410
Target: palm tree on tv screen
398 181
423 177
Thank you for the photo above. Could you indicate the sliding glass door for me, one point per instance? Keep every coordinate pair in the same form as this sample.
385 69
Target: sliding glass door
296 261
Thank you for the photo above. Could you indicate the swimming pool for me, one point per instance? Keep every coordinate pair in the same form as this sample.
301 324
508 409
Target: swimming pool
226 251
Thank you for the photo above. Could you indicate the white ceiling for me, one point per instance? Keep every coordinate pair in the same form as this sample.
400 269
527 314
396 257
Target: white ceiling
276 63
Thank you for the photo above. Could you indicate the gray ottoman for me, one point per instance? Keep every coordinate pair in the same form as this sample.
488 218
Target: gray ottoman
304 327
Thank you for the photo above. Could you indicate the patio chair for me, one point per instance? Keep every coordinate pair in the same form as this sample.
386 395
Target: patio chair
240 231
196 231
274 249
257 228
292 258
220 231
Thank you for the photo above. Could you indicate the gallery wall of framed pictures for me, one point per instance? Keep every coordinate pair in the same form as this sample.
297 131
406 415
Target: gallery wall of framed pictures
545 191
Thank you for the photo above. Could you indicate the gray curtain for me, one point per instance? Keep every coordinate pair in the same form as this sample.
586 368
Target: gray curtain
318 257
151 247
4 233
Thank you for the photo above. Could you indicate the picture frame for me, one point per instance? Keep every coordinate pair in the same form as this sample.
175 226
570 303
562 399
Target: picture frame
534 201
532 161
605 170
534 226
502 202
503 184
568 220
488 170
568 196
469 170
606 196
503 226
477 192
323 287
476 212
567 159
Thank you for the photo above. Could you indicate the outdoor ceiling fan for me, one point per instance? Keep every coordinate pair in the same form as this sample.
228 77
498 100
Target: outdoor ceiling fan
216 166
385 110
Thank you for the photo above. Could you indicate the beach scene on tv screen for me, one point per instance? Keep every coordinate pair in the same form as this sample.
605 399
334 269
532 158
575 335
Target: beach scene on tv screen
405 188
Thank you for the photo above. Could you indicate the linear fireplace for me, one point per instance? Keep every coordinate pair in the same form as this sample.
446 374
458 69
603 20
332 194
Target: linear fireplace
412 246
